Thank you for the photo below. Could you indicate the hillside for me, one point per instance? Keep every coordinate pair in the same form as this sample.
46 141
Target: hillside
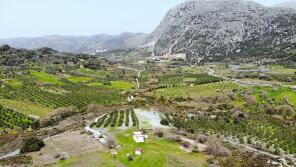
79 44
287 4
211 30
18 60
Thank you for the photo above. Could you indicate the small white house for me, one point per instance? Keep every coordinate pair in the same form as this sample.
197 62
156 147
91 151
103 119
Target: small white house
139 151
139 137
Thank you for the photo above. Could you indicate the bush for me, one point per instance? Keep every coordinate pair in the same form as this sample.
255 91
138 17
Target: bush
32 144
111 142
202 138
185 144
159 133
164 122
195 149
107 83
215 148
130 158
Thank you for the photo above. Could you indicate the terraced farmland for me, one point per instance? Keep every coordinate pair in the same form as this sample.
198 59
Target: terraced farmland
117 119
11 119
261 130
197 91
72 95
175 80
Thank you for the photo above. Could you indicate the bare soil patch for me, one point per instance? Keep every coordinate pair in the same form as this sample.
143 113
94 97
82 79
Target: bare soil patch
65 145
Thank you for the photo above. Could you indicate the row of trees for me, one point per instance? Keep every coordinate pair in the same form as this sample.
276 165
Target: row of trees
117 118
11 119
76 95
261 130
174 80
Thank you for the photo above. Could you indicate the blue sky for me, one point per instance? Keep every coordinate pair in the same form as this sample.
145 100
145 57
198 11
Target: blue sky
31 18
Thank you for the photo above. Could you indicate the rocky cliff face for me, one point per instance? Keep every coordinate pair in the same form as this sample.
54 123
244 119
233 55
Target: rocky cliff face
211 29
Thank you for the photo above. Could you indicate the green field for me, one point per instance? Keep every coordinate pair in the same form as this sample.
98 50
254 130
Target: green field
95 84
94 73
115 85
279 94
11 119
79 79
281 70
197 91
14 83
46 78
27 108
158 152
194 70
122 85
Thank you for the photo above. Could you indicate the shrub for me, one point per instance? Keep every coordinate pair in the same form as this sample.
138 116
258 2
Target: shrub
32 144
195 149
111 142
164 122
215 148
250 100
202 138
107 83
129 157
185 144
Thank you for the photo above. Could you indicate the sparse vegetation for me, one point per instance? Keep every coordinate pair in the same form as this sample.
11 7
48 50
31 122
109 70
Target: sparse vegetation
31 145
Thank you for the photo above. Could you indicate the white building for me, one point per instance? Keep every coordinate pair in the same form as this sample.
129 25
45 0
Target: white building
139 137
139 151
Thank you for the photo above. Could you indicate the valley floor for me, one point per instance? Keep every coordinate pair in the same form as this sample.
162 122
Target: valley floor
84 150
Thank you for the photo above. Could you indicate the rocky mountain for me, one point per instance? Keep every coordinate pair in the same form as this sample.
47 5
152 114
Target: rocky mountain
287 4
215 29
79 44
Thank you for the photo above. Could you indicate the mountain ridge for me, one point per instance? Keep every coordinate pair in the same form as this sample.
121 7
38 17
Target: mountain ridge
79 44
204 30
287 4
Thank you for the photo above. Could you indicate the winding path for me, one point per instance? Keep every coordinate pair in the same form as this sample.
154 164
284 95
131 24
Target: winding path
11 154
138 77
133 69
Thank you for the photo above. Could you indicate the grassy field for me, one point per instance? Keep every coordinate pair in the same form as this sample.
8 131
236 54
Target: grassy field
45 77
27 108
94 73
14 83
158 152
195 70
278 94
115 85
95 84
197 91
281 70
122 85
79 79
99 158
